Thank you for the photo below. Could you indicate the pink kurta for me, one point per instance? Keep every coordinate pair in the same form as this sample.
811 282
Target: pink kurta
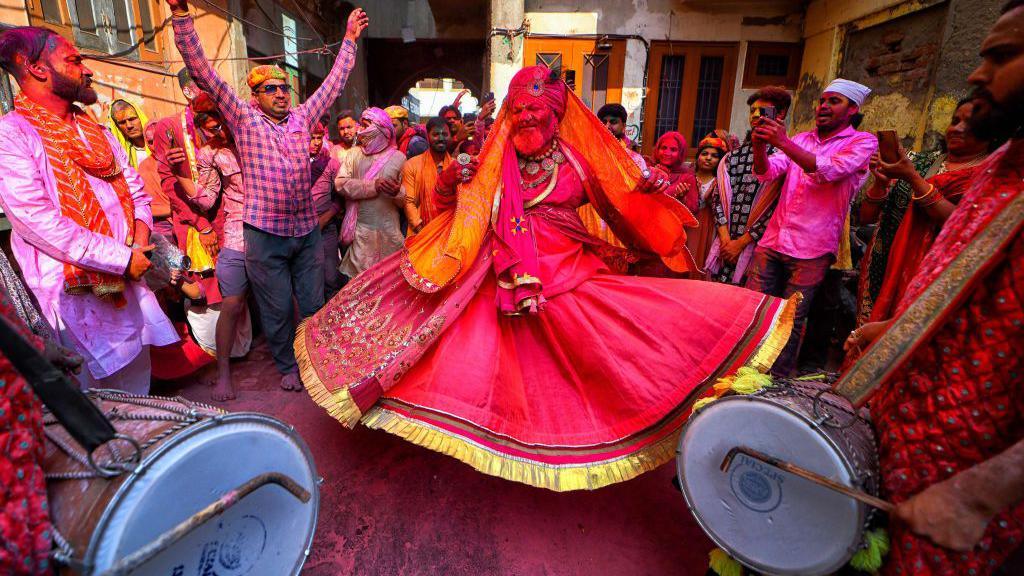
812 209
108 337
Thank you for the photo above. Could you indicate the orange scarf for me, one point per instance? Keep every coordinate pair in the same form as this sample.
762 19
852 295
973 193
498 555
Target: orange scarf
654 223
71 160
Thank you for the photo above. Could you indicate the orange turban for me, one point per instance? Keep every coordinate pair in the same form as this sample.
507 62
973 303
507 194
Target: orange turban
261 74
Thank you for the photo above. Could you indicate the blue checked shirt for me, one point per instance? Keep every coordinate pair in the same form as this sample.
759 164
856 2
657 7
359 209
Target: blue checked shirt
274 157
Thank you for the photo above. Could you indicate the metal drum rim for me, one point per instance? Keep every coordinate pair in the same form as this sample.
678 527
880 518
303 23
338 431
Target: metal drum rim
680 470
210 421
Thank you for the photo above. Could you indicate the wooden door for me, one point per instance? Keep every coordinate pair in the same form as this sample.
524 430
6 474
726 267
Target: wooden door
594 68
690 90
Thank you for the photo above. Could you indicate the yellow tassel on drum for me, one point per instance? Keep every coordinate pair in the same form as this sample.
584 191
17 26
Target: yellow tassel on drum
876 546
723 564
748 380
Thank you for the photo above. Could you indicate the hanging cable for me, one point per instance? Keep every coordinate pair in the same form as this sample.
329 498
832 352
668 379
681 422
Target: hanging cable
254 25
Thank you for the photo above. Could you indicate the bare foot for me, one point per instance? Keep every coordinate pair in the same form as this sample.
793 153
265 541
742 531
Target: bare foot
223 390
291 382
208 376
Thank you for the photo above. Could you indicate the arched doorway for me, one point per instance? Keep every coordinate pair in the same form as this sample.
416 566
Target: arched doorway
427 96
394 67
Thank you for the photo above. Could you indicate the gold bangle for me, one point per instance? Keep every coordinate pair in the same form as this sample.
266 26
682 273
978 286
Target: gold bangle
931 190
934 201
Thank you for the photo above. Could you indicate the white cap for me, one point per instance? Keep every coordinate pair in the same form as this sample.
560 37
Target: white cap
857 93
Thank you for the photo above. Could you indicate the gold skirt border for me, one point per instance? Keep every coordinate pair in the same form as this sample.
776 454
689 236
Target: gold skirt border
560 478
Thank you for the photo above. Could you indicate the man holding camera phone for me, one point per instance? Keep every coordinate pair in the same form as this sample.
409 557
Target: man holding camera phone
822 170
743 204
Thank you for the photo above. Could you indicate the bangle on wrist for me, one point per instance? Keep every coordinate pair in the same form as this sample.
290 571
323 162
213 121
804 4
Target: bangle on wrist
875 199
929 192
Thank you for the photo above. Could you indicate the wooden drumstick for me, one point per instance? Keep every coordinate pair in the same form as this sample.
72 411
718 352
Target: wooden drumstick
806 474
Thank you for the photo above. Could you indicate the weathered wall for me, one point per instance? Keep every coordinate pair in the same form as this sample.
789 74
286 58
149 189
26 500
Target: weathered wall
915 55
694 20
898 60
13 12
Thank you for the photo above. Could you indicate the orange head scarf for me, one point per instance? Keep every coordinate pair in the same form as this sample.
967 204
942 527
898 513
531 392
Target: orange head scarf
651 222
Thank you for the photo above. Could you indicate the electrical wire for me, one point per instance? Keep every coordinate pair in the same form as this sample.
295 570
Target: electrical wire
254 25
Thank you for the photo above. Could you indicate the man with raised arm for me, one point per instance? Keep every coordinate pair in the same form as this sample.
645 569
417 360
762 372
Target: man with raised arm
283 257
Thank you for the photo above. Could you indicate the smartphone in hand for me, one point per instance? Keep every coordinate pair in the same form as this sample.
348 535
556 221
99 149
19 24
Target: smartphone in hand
888 146
767 112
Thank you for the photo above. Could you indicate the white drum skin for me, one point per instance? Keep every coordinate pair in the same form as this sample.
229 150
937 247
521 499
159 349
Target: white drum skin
269 531
769 520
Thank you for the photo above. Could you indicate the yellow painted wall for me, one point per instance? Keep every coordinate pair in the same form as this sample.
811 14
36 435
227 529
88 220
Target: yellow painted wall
825 26
154 86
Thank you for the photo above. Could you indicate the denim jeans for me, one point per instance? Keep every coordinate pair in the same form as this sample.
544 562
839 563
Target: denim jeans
284 271
780 275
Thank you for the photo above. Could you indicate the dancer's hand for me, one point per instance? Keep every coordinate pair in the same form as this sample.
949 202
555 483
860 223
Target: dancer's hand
732 249
175 156
178 6
656 182
902 169
357 22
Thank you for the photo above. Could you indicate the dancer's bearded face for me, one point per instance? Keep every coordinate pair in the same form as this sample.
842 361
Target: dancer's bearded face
534 125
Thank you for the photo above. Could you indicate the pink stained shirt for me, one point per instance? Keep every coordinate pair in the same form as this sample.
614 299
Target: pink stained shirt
812 209
108 337
220 177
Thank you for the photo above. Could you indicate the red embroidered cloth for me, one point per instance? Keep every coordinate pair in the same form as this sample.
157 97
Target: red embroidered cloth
959 399
24 517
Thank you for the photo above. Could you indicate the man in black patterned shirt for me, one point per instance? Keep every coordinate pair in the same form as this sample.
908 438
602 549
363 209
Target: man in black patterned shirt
738 233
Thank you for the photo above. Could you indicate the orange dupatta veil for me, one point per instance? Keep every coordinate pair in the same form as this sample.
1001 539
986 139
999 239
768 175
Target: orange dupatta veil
650 222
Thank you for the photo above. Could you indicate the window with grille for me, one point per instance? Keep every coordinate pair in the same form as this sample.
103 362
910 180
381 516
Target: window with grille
774 63
118 27
595 80
291 42
124 23
51 11
670 87
552 60
690 90
146 18
709 89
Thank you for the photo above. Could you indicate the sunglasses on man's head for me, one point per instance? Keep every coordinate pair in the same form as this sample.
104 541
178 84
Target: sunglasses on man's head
273 88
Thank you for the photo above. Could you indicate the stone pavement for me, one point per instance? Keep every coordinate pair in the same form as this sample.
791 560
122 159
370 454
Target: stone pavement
391 508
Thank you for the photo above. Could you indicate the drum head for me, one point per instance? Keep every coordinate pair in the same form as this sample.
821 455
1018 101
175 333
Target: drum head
769 520
267 532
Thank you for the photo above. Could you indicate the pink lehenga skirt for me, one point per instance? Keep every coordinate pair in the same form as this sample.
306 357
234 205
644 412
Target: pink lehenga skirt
593 390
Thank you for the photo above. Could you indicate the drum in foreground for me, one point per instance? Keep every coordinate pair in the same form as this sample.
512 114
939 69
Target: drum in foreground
192 456
769 520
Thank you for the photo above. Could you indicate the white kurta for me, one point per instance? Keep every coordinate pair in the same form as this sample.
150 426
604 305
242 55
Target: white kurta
109 338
